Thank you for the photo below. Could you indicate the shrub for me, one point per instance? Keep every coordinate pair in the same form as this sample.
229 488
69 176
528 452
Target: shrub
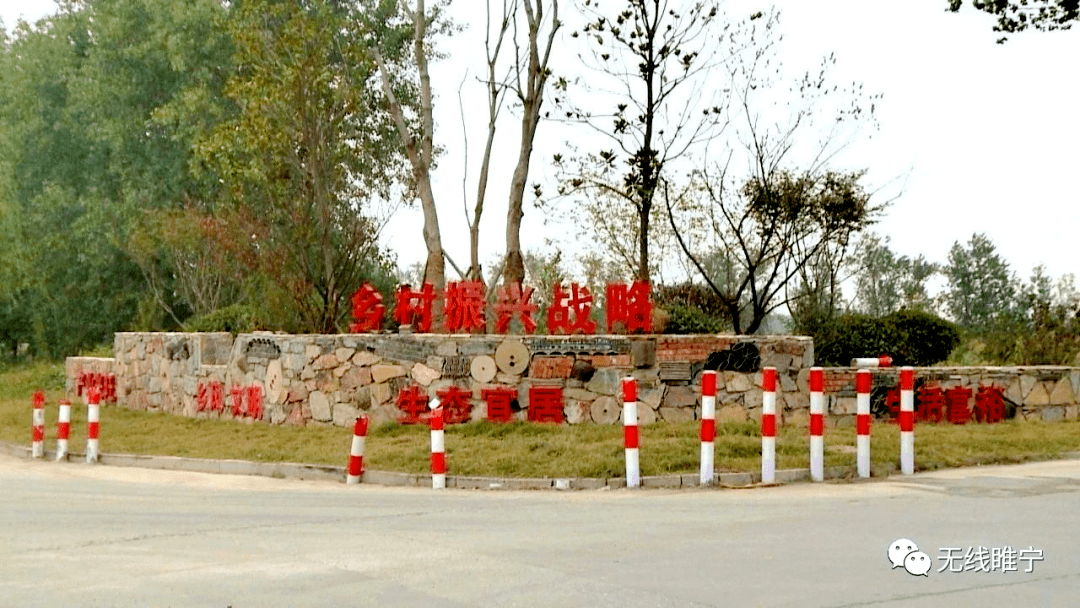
691 309
909 337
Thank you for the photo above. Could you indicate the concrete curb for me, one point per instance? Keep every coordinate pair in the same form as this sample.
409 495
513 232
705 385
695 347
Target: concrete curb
315 472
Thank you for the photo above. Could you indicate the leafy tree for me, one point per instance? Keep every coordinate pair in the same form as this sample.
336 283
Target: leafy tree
886 282
1043 15
308 153
775 228
980 290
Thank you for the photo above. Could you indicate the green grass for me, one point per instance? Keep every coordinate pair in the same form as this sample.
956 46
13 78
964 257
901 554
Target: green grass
517 449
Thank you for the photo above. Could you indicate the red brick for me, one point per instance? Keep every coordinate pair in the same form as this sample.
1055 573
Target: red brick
551 367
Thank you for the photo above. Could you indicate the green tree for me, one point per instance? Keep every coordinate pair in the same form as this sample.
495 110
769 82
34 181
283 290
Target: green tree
980 290
1042 15
309 153
886 282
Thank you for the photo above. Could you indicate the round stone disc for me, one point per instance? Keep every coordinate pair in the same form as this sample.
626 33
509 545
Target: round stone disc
275 382
483 368
512 357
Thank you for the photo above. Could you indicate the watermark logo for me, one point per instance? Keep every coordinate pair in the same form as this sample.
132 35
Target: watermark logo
904 553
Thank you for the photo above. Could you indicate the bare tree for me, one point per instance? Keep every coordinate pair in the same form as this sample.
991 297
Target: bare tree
419 147
653 66
776 222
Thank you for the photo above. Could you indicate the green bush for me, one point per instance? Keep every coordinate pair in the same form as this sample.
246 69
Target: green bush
236 319
909 337
691 309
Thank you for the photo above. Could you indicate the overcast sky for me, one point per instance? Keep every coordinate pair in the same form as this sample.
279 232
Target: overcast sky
984 136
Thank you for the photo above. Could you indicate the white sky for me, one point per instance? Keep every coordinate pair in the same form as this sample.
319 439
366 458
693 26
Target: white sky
985 135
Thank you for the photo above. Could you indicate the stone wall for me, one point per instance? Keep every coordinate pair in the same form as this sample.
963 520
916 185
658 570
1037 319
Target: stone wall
330 379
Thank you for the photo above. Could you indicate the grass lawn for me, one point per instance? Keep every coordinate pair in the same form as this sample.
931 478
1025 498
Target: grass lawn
513 450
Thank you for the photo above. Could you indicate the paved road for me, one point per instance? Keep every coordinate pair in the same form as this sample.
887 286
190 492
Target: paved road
79 535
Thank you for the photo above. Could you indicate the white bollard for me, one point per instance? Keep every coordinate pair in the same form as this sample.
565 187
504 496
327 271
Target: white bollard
768 425
817 424
907 420
630 432
863 382
708 427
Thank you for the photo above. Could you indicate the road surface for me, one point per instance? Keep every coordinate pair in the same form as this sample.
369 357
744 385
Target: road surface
82 535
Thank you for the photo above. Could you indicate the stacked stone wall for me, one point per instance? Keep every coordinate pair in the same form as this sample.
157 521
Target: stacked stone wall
331 379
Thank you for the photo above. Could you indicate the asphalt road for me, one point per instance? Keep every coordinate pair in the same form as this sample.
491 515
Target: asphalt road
80 535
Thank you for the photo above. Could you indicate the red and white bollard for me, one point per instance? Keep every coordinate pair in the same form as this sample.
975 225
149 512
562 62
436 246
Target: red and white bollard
863 381
63 429
708 426
356 454
37 448
768 425
630 432
882 361
817 424
93 424
438 449
907 420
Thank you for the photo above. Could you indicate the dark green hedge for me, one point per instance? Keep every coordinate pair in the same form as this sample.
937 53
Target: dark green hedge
910 337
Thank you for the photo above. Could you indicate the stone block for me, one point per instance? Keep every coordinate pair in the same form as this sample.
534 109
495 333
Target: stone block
579 394
652 397
842 405
1053 413
787 383
1070 412
382 373
676 414
1062 393
576 411
380 393
365 358
345 414
1027 383
424 375
312 351
447 348
679 396
643 353
328 361
737 382
344 354
1037 397
356 377
606 381
340 370
320 407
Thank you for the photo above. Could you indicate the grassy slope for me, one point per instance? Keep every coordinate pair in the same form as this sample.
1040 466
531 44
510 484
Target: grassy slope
519 449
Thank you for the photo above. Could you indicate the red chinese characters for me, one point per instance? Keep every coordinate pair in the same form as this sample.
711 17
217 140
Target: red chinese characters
455 404
931 403
514 301
571 312
211 397
367 310
957 399
413 404
629 306
465 307
413 307
499 402
546 404
989 404
105 384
